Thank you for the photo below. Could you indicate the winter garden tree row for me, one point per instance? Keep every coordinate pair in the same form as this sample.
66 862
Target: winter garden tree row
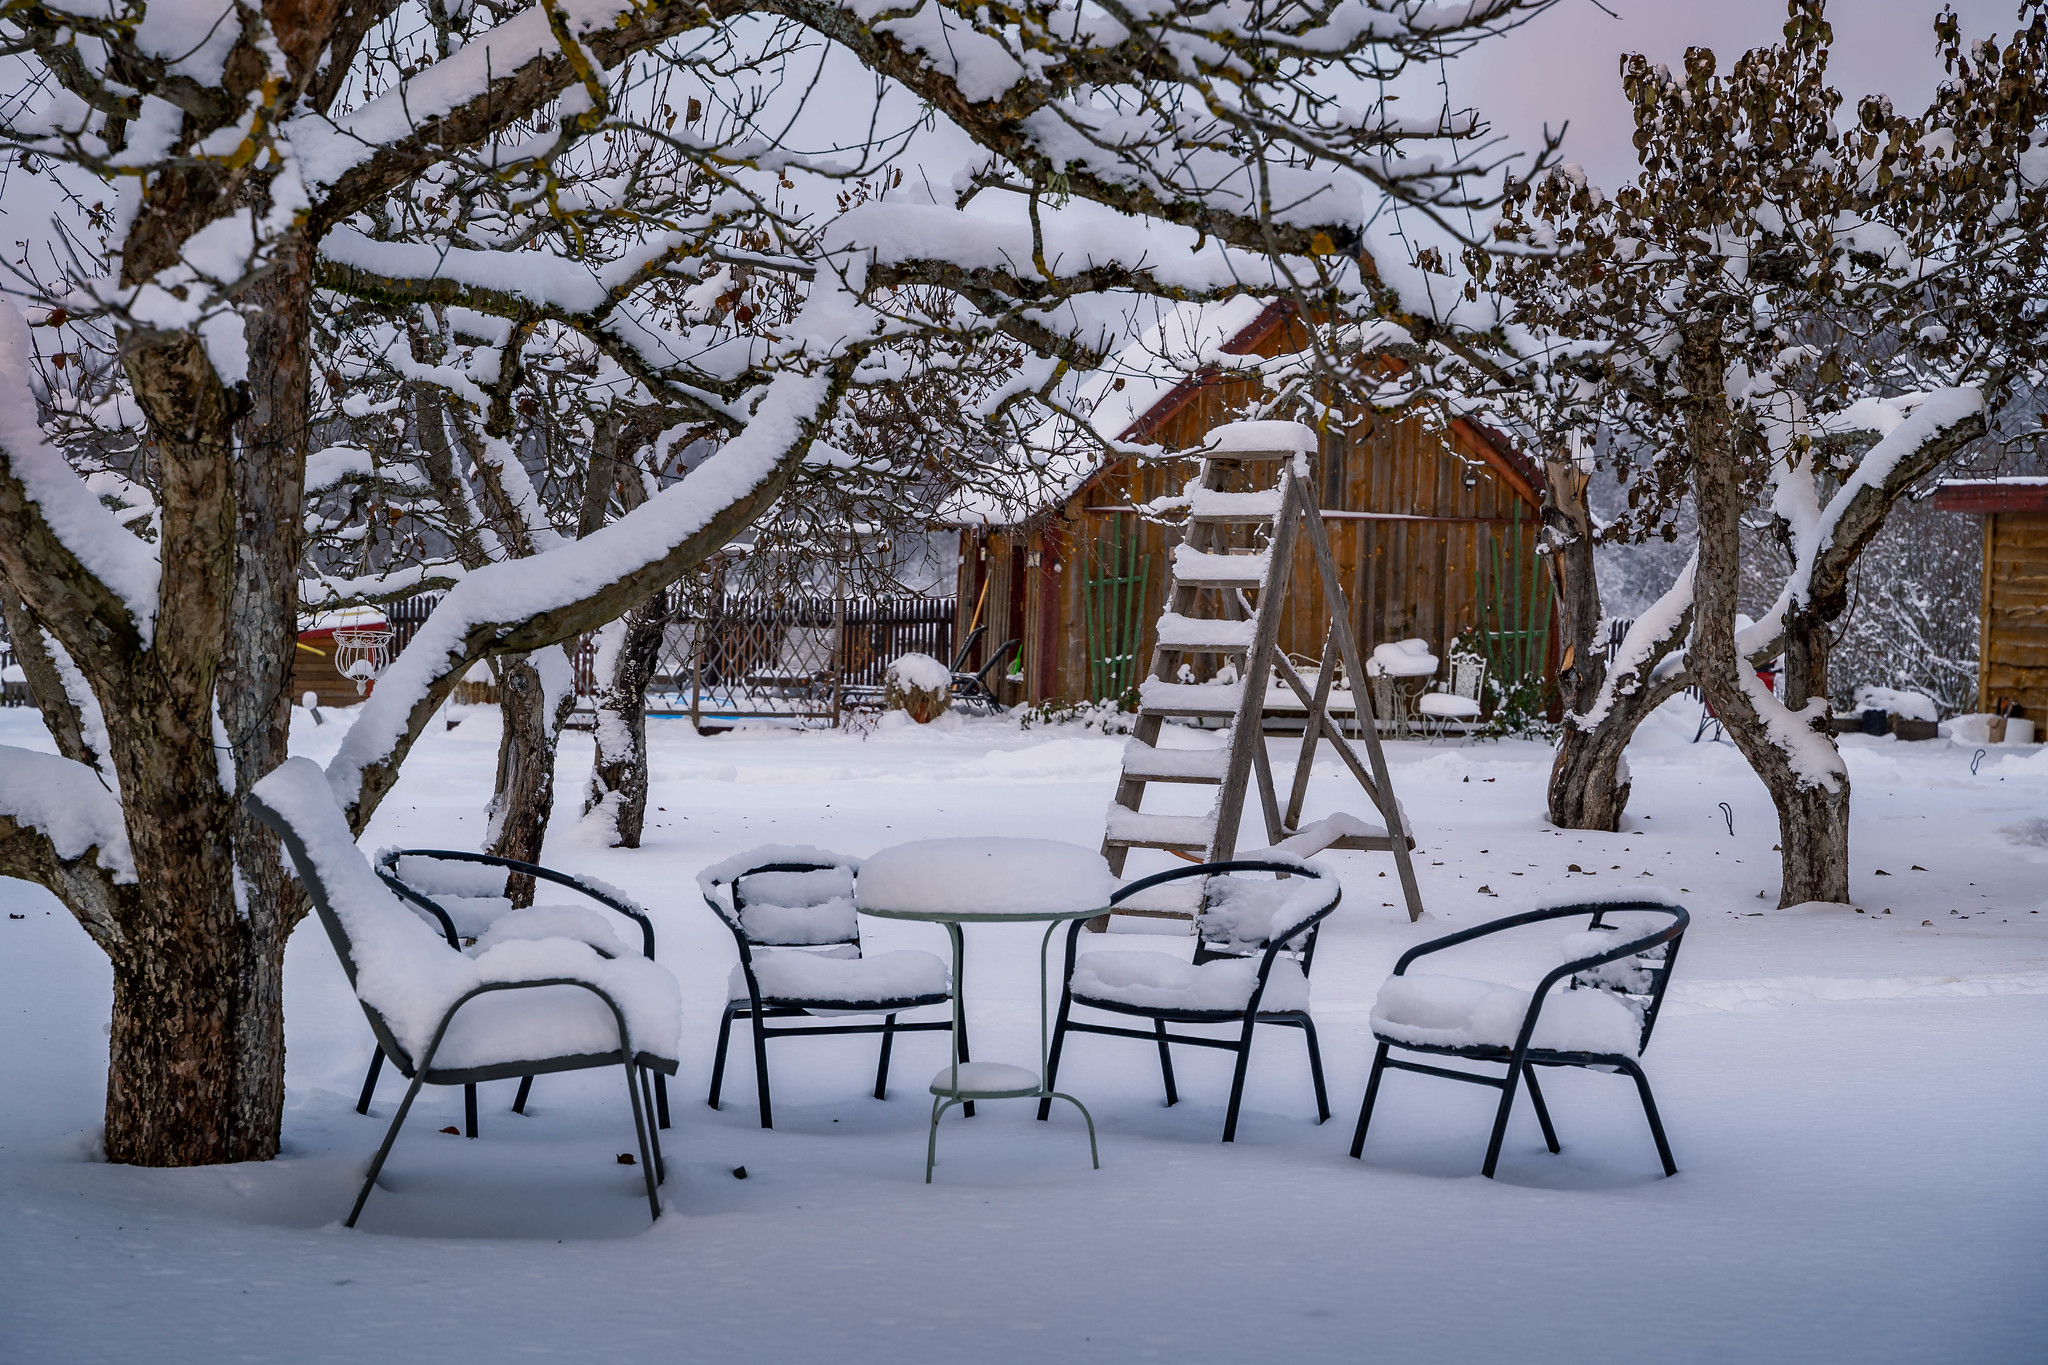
1781 313
520 186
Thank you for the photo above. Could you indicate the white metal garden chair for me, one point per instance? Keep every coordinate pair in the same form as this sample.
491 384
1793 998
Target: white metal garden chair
521 1007
1458 702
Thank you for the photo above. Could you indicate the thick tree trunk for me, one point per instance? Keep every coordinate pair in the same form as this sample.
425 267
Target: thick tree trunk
1803 772
255 680
618 775
172 1052
1583 790
525 792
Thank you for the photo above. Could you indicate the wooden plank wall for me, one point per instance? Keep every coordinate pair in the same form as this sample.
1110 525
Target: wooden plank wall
2013 662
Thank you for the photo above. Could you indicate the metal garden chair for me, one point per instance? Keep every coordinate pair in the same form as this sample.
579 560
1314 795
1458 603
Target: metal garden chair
521 1007
1615 976
1458 702
463 894
1255 942
790 911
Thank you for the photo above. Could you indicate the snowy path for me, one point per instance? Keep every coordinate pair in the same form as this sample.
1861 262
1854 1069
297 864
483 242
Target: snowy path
1855 1101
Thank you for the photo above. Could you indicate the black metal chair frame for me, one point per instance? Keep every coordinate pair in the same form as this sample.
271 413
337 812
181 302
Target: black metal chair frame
1522 1059
637 1065
758 1010
1249 1017
387 871
973 686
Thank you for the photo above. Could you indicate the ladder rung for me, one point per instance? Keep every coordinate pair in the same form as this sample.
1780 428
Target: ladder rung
1138 829
1194 568
1143 761
1156 698
1207 505
1205 635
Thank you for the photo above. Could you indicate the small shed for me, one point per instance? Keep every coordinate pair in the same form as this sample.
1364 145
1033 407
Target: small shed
1433 529
2012 650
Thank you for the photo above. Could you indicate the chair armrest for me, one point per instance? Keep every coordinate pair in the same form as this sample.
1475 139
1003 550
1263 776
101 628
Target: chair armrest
609 897
431 907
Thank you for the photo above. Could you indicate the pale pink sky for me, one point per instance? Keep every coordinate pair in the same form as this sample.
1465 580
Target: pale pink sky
1563 65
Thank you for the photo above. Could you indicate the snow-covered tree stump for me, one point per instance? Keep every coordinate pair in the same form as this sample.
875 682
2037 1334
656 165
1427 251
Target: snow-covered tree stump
921 685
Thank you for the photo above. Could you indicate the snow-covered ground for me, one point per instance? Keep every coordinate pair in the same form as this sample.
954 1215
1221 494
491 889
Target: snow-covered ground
1856 1101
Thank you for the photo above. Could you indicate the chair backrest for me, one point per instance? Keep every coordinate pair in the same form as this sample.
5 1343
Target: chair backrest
1240 916
785 896
392 958
1468 675
451 884
1642 977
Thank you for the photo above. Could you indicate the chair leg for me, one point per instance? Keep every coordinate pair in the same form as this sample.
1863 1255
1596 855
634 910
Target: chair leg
1165 1064
1500 1119
1052 1056
525 1089
1244 1060
654 1130
761 1072
1315 1069
647 1169
718 1060
967 1106
377 1162
1372 1094
370 1081
1650 1111
882 1067
469 1109
1542 1110
661 1098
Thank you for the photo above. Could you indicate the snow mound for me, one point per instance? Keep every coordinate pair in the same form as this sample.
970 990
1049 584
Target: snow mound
1911 705
920 671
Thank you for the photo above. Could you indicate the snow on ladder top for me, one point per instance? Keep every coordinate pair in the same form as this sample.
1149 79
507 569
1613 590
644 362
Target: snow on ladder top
1259 506
1194 632
1290 438
1199 566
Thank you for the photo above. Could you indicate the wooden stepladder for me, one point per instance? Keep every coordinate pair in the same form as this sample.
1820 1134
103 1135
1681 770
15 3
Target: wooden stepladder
1225 597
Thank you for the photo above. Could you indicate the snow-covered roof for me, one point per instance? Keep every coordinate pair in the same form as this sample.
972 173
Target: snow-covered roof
1186 339
2012 493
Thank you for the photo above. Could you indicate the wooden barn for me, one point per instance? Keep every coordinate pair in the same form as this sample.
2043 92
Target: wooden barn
1425 526
2012 652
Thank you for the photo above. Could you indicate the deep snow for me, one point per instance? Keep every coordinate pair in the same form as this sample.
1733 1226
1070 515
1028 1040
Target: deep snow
1855 1101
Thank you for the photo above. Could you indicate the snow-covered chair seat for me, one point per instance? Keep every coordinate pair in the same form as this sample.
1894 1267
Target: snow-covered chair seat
1256 923
1448 705
465 896
790 909
1613 977
522 1007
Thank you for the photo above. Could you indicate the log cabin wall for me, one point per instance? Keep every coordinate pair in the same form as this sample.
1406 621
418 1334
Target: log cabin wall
2012 659
1409 512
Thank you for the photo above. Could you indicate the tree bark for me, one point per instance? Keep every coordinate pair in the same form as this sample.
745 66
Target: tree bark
1811 797
525 792
255 679
618 776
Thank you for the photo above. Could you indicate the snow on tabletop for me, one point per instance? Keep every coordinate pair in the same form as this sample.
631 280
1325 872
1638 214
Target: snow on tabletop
1163 981
407 972
1260 436
65 801
793 974
1456 1011
990 876
920 671
1402 659
1249 912
1911 705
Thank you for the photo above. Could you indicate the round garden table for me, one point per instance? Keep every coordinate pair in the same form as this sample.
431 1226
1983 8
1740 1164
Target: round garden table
988 881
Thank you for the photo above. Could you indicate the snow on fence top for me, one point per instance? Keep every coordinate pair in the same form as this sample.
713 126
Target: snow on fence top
986 877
